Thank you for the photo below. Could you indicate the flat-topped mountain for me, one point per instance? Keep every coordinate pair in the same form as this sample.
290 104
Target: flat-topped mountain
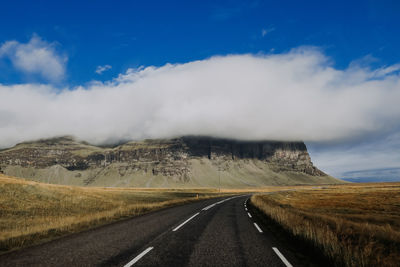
180 162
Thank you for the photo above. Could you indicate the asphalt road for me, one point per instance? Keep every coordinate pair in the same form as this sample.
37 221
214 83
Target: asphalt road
214 232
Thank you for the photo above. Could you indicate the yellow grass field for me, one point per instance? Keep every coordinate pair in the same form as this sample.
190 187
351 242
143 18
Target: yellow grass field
353 225
32 212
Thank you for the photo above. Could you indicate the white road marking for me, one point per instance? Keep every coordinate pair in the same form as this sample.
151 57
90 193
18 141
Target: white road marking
138 257
249 215
245 209
177 228
210 206
258 227
283 259
219 202
222 201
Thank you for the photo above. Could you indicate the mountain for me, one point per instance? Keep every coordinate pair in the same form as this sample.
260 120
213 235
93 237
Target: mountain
373 175
180 162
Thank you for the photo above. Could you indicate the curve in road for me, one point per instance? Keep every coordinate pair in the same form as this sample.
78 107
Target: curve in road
214 232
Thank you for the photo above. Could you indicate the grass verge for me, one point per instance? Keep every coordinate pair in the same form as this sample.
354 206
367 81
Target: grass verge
352 225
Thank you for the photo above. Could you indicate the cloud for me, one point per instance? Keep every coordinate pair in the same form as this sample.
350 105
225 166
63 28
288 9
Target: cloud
267 31
297 95
36 57
101 69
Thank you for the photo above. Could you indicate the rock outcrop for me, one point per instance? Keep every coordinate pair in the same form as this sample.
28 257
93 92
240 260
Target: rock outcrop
180 161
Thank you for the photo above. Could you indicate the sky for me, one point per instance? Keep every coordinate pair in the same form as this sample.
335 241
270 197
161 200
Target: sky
324 72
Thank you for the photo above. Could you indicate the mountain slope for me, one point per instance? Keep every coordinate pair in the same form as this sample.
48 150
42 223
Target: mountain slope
180 162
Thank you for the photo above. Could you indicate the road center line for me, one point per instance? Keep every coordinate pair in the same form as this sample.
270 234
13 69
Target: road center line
219 202
258 227
138 257
222 201
210 206
249 215
177 228
283 259
245 209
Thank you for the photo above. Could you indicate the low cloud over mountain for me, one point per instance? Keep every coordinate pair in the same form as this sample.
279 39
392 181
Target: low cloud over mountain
297 95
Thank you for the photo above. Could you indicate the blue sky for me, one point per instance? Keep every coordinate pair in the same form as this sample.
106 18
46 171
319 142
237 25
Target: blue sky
127 34
50 48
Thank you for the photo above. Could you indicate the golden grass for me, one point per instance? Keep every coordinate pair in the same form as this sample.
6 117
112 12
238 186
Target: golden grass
353 225
31 212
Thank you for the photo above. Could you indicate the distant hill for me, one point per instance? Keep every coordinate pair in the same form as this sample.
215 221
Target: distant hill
373 175
180 162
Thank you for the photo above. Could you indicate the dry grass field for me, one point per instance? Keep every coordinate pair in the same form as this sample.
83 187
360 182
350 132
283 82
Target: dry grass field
353 225
32 212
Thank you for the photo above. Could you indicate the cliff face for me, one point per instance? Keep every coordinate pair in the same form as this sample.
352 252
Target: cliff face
179 160
281 156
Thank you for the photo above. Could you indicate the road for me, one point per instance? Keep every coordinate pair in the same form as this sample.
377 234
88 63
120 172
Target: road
213 232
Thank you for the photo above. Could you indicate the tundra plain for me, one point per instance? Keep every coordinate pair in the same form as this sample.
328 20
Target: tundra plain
351 225
348 224
33 212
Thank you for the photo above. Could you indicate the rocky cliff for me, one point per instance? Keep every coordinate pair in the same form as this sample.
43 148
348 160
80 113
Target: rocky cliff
186 161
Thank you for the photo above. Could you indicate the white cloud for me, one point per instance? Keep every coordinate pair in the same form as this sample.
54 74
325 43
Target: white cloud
101 69
267 31
292 96
35 57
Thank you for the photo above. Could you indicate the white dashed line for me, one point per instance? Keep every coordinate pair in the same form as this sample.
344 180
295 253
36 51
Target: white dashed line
258 227
138 257
222 201
249 215
216 203
245 209
177 228
283 259
210 206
